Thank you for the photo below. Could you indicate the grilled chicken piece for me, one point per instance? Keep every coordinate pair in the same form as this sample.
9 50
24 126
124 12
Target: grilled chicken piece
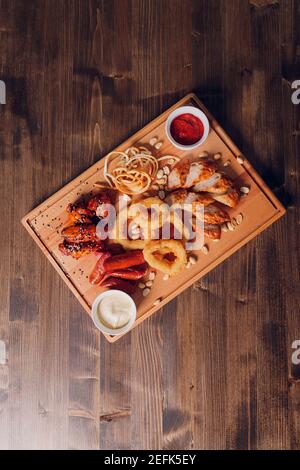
214 184
231 198
221 188
77 250
212 231
182 196
204 177
215 215
212 213
80 233
186 174
78 213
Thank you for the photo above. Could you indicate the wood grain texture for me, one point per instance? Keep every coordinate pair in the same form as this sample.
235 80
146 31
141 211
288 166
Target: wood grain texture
213 368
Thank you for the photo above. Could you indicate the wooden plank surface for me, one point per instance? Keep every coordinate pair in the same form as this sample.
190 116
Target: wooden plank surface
213 368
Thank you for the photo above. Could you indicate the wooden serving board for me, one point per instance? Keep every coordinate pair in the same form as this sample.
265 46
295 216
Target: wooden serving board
260 208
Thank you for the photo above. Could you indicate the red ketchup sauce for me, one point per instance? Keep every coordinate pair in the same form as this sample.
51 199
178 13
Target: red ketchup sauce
186 129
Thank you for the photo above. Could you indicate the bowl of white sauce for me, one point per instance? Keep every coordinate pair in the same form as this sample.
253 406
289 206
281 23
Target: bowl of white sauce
114 312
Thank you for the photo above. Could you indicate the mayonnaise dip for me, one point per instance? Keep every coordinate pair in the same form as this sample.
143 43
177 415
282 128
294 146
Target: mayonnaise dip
115 310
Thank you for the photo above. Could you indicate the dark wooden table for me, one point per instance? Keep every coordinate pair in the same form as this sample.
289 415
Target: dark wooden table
213 369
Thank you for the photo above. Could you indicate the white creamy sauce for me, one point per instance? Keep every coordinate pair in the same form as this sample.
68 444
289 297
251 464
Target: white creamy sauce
115 310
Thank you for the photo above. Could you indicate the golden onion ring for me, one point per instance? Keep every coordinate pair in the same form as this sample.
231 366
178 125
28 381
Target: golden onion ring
149 222
156 254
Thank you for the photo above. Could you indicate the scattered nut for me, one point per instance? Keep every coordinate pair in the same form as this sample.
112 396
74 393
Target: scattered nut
141 285
204 249
239 219
244 189
240 160
157 301
151 276
203 154
161 194
158 145
161 181
227 163
166 170
192 259
217 156
230 226
171 161
146 292
160 174
166 277
149 283
153 141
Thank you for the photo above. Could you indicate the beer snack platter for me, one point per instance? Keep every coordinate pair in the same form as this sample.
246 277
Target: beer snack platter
257 209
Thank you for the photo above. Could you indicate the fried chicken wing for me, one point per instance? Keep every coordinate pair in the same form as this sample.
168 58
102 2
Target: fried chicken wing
80 233
98 204
77 250
78 213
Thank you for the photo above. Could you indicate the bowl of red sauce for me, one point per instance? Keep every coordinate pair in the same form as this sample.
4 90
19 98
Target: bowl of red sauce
187 127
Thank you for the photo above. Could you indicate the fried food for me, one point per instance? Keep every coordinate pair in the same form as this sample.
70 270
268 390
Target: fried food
134 170
77 250
168 256
79 214
98 204
80 233
148 214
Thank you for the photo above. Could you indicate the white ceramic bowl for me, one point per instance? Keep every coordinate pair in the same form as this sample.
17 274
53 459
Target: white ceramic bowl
190 110
101 326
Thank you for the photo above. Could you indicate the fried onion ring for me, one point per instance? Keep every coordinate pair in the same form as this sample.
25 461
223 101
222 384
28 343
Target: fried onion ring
118 235
149 214
168 256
